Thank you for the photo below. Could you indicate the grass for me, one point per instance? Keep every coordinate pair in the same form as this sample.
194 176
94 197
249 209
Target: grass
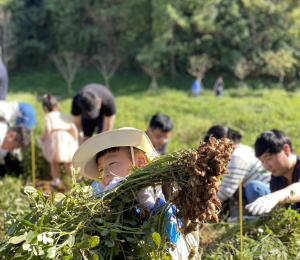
125 83
255 112
251 111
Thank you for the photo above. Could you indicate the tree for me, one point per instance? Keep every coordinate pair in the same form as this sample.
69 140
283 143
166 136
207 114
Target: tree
8 49
152 59
67 64
107 64
200 64
241 70
279 63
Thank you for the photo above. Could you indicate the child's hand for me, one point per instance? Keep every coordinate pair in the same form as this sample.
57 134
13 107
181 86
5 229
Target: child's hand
146 196
115 181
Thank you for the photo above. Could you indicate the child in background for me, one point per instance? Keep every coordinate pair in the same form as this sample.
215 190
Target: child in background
59 138
197 87
109 154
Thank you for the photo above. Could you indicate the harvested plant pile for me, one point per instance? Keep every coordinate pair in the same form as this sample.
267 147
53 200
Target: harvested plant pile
115 226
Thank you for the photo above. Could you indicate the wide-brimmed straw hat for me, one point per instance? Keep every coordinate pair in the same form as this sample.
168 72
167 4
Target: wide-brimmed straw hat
127 136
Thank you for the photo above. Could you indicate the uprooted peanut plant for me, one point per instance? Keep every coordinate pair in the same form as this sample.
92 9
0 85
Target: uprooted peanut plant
115 225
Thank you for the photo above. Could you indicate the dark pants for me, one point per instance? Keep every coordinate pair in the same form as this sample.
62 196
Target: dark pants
89 125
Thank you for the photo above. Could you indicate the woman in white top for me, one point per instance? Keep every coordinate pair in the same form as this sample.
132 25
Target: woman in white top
59 138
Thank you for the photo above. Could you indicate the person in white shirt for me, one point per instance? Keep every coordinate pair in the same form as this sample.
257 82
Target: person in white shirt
243 166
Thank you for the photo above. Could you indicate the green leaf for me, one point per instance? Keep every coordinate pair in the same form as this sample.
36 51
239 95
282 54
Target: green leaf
117 249
31 235
156 238
71 241
27 223
109 243
30 189
17 240
68 257
105 232
82 245
125 199
59 197
130 239
41 220
113 234
129 221
100 220
76 254
100 256
51 252
93 241
11 229
52 197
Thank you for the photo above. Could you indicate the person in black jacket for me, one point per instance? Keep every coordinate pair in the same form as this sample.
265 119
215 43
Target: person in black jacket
274 149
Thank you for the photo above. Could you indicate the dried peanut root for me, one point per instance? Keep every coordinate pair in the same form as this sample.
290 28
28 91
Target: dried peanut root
196 198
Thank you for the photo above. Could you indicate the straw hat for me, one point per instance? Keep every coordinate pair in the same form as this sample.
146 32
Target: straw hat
127 136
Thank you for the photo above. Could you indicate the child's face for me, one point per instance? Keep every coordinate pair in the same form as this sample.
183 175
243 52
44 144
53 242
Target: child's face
113 162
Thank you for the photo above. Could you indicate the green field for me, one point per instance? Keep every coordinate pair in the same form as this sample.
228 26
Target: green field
251 112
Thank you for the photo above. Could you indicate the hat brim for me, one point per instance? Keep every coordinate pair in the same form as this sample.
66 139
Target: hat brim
84 157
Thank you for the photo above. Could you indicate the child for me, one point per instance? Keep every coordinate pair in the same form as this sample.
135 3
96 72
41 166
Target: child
58 145
109 154
159 132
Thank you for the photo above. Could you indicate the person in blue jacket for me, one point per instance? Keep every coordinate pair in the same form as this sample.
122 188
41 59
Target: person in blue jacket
197 87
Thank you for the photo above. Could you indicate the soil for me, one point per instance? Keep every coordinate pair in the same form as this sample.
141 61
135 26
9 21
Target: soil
44 184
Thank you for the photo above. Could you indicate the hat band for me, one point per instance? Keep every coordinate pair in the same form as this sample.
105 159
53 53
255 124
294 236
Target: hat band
132 155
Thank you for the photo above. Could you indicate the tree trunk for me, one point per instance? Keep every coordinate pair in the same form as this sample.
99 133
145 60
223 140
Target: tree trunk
153 85
281 79
172 56
106 80
69 87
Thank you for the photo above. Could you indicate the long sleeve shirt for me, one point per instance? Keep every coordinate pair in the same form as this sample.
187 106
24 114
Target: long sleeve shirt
243 166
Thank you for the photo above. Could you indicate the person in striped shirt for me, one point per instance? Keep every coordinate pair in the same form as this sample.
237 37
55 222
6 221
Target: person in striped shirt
243 166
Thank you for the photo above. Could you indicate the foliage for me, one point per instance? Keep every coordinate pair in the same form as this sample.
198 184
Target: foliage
107 64
272 237
241 70
12 201
67 64
117 224
180 28
279 63
200 64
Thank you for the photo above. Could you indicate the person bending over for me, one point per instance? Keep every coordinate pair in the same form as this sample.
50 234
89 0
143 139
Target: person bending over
12 137
243 166
93 106
277 155
18 112
159 132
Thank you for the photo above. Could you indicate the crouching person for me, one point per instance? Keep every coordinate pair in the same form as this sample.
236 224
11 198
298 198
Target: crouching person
276 153
11 137
110 154
243 166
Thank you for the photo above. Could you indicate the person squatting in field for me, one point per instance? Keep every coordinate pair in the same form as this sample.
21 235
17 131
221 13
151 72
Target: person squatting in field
110 154
93 106
59 138
277 155
12 137
243 166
